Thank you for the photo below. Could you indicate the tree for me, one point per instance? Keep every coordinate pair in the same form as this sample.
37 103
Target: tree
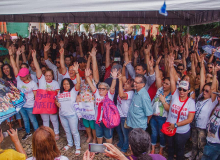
51 25
87 26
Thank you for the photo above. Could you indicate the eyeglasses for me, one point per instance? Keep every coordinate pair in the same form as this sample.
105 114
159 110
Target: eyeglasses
102 89
205 90
57 62
166 83
138 82
181 89
209 67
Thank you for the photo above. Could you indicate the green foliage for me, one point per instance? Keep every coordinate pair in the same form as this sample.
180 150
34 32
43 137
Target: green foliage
86 26
51 24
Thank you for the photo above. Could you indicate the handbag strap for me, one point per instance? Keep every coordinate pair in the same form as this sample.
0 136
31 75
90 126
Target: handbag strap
181 110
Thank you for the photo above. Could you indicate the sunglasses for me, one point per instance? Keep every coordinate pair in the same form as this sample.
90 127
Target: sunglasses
179 69
57 62
102 89
138 82
205 90
209 67
181 89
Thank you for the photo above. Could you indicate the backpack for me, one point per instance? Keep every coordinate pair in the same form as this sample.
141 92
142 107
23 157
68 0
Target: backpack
111 116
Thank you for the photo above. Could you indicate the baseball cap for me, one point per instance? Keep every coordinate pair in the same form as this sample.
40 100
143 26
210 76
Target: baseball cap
23 72
81 60
184 85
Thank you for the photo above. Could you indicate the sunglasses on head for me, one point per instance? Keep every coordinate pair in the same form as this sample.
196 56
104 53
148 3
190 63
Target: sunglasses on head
181 89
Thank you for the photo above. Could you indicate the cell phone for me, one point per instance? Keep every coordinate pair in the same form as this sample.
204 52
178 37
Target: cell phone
117 59
100 148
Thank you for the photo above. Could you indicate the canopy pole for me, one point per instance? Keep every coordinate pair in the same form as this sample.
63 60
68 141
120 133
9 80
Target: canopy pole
187 29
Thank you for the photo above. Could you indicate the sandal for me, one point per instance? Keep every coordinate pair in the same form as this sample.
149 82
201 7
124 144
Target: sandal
57 137
66 148
77 152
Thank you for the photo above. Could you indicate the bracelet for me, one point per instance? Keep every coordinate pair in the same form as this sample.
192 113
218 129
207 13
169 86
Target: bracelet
77 72
163 102
114 78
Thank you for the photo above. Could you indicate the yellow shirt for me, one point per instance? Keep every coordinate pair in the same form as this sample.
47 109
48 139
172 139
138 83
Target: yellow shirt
10 154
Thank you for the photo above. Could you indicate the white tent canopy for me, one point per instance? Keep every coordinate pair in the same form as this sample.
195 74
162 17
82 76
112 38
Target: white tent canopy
180 12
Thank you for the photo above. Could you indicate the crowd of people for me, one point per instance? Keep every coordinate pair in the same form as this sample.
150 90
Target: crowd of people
166 86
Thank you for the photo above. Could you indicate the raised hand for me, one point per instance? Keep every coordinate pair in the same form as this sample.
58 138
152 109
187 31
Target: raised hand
61 51
34 53
136 54
114 73
18 51
61 44
125 46
76 67
147 51
162 98
87 72
93 52
158 60
151 62
10 51
79 40
107 46
126 63
119 76
22 49
46 47
217 68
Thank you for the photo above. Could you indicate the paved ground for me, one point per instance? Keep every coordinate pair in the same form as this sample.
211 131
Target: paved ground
27 144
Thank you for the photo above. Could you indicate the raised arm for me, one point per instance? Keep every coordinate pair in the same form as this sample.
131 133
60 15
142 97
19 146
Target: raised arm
78 80
212 56
23 54
13 64
36 64
172 75
46 49
157 73
214 82
18 53
202 74
80 46
122 94
94 65
193 67
114 74
87 74
62 63
107 56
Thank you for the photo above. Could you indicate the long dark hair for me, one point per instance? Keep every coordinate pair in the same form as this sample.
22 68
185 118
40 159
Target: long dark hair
140 143
4 76
202 97
70 82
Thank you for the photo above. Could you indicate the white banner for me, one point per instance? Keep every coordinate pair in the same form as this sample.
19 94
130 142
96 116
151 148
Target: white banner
85 110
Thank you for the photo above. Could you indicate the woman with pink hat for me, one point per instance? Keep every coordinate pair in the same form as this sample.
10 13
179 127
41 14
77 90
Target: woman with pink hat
27 86
46 82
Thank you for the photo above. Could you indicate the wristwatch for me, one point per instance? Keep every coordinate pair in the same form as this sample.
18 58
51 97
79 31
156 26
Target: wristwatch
175 125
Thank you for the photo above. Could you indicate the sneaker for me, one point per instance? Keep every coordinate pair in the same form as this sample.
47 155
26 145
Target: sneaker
26 136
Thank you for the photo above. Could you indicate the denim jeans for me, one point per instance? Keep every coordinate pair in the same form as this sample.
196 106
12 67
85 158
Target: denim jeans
211 151
70 125
122 135
54 119
156 123
17 115
26 114
102 131
177 142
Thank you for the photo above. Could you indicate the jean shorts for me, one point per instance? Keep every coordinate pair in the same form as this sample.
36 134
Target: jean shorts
102 131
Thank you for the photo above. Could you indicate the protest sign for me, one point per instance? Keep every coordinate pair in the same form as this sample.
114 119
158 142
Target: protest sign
208 49
11 100
45 102
85 110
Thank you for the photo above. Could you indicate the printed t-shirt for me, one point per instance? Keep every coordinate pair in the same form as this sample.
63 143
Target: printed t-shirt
10 154
66 75
203 110
124 104
213 127
53 85
67 100
175 106
27 89
98 99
